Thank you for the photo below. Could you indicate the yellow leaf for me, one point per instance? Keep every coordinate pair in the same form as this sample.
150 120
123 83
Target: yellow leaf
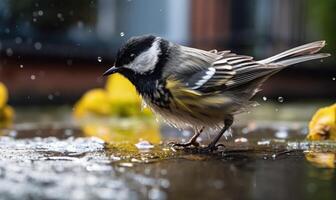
324 160
6 116
119 99
121 89
3 95
323 124
94 101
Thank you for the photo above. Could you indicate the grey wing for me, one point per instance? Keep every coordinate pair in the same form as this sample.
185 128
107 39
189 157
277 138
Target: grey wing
231 72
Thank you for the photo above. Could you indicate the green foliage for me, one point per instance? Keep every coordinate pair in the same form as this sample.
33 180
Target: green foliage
323 17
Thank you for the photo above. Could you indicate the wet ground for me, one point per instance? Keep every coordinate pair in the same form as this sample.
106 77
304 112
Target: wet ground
51 156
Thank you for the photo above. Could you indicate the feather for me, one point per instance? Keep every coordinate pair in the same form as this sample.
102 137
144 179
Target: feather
292 61
306 49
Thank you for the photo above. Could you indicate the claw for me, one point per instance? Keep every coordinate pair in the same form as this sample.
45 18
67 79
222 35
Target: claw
210 148
184 145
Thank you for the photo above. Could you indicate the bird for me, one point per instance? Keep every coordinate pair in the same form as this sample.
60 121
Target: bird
198 89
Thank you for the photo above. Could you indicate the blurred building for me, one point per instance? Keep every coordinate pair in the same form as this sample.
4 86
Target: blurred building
52 51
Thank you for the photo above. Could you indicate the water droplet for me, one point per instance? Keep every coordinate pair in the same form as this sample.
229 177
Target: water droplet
156 193
144 145
264 98
264 142
60 16
32 77
122 34
68 132
40 12
164 183
9 52
280 99
50 97
38 46
241 140
13 133
186 133
334 78
21 66
163 172
99 59
115 158
281 134
126 164
80 24
18 40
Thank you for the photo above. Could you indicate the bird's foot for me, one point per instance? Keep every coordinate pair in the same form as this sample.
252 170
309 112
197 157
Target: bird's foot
183 145
210 148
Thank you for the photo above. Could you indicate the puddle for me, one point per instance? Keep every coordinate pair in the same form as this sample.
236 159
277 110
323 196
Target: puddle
70 161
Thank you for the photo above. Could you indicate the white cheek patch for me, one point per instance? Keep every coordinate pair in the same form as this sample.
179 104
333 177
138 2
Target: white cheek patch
147 60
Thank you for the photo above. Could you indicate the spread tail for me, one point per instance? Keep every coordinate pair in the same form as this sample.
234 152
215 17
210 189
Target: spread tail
298 54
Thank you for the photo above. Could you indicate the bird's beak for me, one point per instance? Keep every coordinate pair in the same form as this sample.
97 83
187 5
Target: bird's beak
112 70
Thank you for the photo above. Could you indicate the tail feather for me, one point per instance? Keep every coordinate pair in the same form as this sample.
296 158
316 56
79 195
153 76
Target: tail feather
298 54
292 61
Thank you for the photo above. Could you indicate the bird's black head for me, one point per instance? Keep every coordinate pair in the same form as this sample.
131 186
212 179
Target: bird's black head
141 59
139 55
133 48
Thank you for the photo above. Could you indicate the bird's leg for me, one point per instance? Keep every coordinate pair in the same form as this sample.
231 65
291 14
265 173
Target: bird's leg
191 142
212 146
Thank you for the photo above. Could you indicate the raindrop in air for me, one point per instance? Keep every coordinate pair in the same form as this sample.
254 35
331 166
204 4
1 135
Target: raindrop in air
122 34
264 98
80 24
21 66
50 97
18 40
334 78
280 99
33 77
99 59
40 12
38 46
9 52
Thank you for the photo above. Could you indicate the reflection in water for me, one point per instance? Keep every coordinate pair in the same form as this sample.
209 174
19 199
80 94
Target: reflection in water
324 160
322 127
130 130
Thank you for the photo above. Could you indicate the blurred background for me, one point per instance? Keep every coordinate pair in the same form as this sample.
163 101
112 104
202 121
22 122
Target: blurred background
52 51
